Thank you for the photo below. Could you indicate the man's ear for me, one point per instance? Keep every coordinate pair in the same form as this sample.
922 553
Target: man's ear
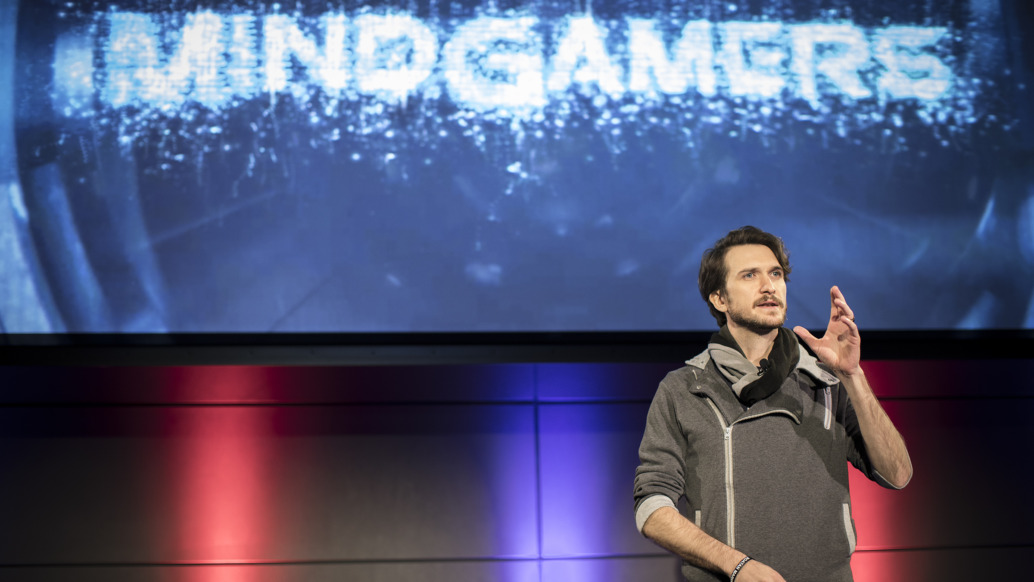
718 301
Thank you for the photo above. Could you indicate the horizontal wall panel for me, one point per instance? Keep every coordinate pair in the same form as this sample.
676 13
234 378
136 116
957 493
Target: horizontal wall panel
218 483
474 571
958 378
972 473
944 565
260 384
592 382
490 382
616 569
891 379
588 455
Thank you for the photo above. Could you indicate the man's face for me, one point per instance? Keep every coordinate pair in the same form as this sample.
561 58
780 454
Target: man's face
755 289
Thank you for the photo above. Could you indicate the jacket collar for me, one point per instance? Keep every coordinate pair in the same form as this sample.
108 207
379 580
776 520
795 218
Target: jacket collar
808 364
789 402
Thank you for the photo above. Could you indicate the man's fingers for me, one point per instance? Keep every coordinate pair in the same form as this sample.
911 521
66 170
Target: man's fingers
805 335
835 293
837 304
844 310
840 308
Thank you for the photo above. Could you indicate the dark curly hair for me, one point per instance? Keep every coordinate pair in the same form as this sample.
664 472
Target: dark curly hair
712 266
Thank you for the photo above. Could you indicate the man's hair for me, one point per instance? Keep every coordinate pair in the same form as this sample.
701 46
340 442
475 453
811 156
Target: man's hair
713 271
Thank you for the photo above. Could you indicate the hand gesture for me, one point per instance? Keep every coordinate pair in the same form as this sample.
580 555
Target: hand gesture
841 346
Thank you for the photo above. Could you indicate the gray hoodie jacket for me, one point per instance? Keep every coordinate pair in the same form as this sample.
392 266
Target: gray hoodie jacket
770 480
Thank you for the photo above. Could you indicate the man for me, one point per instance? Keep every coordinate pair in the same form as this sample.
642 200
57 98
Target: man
755 433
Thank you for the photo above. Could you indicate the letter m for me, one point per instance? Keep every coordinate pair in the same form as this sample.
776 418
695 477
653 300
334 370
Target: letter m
138 70
691 63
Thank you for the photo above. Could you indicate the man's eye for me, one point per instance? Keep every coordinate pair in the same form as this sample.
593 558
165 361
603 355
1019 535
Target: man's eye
748 275
777 274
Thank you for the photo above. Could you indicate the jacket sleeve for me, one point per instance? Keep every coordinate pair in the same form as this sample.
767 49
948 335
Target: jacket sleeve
660 477
857 454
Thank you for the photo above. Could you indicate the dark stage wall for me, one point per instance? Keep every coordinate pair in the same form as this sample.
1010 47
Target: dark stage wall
504 472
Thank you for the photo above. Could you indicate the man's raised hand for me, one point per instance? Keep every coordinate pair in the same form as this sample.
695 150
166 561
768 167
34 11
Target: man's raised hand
841 346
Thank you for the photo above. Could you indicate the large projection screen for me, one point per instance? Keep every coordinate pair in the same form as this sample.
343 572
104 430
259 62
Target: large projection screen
175 167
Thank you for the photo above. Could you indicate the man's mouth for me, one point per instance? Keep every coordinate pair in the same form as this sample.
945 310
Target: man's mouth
769 303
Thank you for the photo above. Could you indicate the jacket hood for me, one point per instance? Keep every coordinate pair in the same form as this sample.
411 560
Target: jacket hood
739 371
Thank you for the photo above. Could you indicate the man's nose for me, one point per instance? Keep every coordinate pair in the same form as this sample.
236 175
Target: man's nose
767 286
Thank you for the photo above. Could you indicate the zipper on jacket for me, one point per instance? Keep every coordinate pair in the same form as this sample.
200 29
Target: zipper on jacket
828 419
730 502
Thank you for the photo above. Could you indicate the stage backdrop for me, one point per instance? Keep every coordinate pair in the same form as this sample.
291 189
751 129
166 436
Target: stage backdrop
549 165
508 473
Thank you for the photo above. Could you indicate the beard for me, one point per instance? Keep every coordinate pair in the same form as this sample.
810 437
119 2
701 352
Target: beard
752 322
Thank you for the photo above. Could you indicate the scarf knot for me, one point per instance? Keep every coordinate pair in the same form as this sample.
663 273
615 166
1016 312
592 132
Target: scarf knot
750 383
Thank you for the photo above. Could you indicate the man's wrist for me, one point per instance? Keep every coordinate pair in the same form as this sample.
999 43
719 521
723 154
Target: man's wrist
731 561
855 372
739 566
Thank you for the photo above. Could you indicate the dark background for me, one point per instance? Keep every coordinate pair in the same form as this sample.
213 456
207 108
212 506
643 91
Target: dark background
509 472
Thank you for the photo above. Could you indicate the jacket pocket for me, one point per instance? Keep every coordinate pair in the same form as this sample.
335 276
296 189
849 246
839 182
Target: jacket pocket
852 536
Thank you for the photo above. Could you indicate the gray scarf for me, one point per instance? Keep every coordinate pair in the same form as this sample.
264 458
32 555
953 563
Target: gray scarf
750 383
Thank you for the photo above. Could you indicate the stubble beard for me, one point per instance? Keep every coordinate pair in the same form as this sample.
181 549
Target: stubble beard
756 324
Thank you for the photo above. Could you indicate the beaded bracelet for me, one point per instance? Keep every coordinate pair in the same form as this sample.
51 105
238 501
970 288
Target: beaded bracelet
736 570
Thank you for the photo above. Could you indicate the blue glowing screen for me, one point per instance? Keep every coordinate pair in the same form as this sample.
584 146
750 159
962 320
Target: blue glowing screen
434 166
